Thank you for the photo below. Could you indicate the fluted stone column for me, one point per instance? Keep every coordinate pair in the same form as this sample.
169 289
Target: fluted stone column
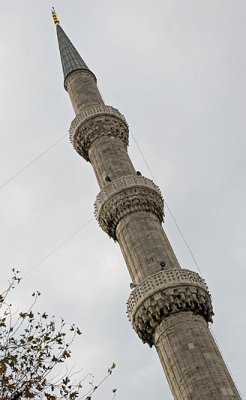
169 307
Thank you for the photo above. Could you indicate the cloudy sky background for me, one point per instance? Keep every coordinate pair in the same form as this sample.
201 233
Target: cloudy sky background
176 70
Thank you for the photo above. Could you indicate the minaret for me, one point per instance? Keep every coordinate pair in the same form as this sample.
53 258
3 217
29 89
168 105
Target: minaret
169 307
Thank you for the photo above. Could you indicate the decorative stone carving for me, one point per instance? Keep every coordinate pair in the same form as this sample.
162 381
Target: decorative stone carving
165 293
126 195
94 122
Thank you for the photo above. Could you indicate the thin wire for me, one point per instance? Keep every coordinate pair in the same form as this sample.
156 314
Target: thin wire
58 247
32 162
183 237
168 208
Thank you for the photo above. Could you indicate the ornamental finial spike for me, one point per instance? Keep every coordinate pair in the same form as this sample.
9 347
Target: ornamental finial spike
54 16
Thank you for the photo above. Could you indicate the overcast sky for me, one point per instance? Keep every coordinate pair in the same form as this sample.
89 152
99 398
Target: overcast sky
176 70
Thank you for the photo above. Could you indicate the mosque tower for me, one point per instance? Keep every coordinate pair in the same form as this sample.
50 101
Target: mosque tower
169 307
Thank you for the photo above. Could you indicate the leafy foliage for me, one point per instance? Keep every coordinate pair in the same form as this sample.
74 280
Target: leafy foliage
32 347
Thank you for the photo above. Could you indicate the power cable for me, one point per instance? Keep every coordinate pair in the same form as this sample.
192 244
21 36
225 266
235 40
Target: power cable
183 237
31 162
58 247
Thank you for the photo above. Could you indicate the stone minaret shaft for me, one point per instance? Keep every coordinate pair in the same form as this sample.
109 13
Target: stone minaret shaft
169 307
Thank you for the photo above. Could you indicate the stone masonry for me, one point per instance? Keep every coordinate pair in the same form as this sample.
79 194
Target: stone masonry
169 307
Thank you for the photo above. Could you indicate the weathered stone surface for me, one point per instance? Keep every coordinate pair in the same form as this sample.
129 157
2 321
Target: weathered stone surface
110 160
144 245
124 196
192 362
94 122
88 96
164 294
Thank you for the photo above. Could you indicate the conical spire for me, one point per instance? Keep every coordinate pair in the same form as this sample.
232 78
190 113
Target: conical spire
70 58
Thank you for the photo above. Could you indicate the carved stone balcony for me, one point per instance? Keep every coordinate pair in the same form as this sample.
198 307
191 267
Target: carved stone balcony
94 122
165 293
124 196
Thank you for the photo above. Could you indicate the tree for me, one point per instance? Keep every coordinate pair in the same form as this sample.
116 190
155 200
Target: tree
32 347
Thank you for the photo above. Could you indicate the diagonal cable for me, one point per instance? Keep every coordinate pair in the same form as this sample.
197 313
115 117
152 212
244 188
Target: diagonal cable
31 162
58 247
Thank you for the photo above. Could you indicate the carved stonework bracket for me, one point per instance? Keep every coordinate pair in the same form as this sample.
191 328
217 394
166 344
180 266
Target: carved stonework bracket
94 122
166 293
124 196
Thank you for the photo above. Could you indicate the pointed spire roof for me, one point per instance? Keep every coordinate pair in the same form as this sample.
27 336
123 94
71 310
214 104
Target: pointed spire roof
70 57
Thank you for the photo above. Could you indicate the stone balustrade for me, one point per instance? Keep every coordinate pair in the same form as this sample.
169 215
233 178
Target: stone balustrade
94 122
125 195
166 293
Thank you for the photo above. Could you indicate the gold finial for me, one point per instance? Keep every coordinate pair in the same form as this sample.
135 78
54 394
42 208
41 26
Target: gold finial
54 15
